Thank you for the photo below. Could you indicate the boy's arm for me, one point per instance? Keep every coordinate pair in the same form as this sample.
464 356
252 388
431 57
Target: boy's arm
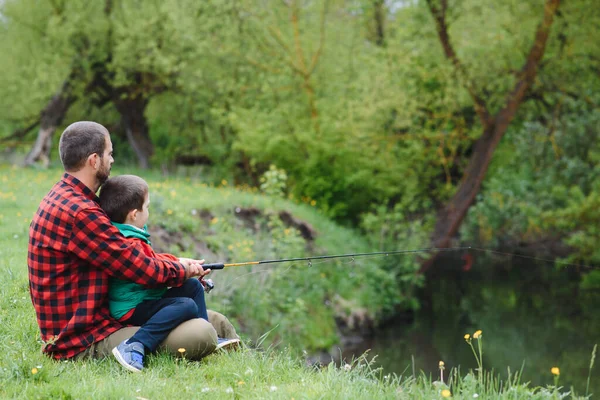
95 240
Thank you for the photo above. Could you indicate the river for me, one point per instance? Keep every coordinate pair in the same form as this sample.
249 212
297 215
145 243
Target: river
533 316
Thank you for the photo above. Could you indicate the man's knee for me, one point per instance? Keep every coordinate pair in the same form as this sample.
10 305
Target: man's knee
196 336
223 326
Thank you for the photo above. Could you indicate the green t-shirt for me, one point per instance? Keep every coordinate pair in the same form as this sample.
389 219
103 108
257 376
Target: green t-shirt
124 295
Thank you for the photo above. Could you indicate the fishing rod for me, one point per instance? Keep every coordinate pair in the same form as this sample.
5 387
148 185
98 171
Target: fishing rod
209 285
386 253
310 259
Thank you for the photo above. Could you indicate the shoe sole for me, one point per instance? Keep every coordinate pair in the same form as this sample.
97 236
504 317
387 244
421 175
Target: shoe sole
122 361
231 344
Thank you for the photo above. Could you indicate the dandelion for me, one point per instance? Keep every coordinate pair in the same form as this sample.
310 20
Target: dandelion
214 220
273 388
313 203
347 367
477 334
204 390
475 395
169 211
224 182
441 366
181 351
34 371
240 383
556 372
446 393
229 390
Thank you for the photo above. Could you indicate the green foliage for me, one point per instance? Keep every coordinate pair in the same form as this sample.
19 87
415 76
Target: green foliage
543 183
274 182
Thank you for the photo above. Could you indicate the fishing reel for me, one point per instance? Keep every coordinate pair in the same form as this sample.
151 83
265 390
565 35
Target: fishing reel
208 285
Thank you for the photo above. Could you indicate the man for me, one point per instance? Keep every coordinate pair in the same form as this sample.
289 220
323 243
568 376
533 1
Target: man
74 250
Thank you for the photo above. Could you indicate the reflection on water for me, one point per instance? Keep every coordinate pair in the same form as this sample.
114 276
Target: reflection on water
533 316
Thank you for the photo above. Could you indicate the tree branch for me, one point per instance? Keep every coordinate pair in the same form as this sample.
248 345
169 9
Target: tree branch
439 15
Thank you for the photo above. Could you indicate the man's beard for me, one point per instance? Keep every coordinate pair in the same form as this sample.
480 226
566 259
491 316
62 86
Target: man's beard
102 175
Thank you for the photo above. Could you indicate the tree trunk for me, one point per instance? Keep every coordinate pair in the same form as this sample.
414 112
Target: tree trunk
136 128
50 117
452 215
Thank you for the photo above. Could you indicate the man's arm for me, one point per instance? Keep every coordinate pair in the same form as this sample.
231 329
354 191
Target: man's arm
96 241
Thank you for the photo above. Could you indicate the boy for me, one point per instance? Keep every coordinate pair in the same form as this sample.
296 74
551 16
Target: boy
125 199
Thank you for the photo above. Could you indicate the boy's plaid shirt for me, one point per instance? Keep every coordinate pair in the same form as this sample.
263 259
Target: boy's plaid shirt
73 249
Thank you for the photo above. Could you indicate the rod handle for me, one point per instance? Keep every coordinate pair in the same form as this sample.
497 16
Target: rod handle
213 266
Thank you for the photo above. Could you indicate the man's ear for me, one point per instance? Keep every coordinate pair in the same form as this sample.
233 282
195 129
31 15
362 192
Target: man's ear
93 160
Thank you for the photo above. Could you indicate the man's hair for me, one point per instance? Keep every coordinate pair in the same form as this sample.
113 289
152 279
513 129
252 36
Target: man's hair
121 194
79 141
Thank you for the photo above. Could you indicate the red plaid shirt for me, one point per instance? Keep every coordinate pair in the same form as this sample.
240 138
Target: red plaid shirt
73 250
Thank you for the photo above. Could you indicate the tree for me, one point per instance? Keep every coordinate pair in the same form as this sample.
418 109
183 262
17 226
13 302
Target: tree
122 52
494 125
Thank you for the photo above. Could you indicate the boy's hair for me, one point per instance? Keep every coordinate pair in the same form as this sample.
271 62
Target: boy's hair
121 194
79 141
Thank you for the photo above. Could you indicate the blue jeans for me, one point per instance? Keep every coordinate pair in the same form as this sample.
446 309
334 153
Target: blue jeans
158 318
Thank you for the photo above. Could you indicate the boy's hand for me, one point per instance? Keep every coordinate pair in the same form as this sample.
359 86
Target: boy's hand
194 268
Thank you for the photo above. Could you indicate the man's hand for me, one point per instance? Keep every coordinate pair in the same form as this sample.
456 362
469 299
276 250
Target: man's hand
194 268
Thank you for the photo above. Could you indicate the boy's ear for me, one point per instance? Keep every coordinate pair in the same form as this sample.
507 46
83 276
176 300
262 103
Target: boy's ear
132 215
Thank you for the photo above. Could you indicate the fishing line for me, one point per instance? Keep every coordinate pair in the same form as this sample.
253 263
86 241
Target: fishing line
352 256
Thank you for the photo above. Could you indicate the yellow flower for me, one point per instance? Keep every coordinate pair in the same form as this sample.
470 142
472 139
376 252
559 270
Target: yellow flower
441 364
224 182
214 220
555 371
313 203
477 334
446 393
181 350
241 383
169 211
467 337
34 371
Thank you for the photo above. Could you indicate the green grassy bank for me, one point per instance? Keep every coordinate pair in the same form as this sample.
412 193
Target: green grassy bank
296 304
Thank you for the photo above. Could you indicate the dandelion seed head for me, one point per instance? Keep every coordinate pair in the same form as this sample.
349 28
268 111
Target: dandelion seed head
347 367
273 388
229 390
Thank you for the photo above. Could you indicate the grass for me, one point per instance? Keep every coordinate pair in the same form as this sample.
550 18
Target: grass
279 372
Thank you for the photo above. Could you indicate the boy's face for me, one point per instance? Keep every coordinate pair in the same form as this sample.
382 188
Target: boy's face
142 215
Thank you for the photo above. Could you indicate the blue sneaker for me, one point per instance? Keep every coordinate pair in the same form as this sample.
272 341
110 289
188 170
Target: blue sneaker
130 355
229 344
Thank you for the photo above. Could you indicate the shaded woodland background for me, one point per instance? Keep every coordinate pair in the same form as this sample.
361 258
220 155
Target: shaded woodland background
419 122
